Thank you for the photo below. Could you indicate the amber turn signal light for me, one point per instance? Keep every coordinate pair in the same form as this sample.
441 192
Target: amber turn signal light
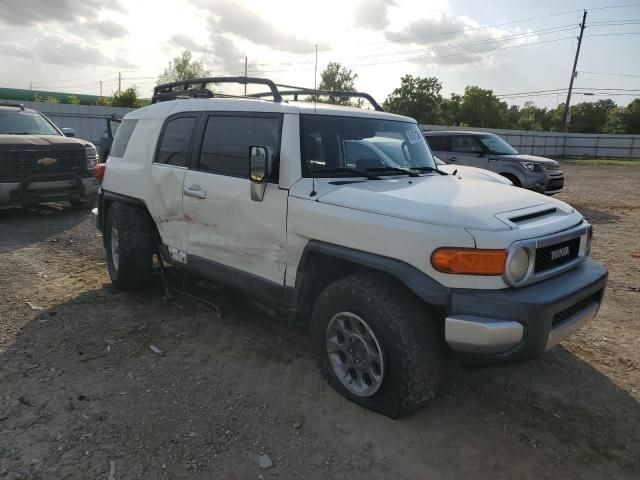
469 261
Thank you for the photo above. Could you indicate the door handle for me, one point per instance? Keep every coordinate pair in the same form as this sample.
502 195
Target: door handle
194 191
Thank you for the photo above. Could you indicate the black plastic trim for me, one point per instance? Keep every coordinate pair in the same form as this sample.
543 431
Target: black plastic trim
423 286
239 279
534 306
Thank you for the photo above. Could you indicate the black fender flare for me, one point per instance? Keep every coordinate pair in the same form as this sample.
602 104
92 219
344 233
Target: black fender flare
423 286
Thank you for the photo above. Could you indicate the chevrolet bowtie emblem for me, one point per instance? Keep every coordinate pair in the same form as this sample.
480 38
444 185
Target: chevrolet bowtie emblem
47 161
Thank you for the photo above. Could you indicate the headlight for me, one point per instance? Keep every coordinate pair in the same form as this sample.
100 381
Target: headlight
517 265
92 156
533 166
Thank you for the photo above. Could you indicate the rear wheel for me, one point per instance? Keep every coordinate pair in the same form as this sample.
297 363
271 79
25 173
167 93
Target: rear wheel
376 344
129 244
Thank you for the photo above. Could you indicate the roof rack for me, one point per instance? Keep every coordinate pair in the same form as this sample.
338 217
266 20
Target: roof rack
332 93
197 88
11 104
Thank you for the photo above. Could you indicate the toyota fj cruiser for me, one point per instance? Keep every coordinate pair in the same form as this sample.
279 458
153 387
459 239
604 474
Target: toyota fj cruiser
391 264
40 163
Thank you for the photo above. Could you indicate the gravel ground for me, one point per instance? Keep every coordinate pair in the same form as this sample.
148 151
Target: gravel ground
94 380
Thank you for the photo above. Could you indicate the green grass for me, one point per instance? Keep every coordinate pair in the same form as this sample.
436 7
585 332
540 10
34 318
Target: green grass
603 161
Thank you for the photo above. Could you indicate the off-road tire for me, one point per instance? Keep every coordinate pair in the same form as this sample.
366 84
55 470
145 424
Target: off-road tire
135 241
408 335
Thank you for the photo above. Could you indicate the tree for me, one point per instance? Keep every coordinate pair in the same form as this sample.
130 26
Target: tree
449 113
418 98
126 98
182 68
481 108
631 117
73 100
103 102
47 99
338 78
590 117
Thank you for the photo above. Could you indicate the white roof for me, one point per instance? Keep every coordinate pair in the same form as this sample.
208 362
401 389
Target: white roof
167 108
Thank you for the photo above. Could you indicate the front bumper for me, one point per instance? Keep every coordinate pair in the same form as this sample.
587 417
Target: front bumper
555 182
521 323
48 188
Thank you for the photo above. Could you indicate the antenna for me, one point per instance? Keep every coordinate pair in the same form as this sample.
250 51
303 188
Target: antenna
315 109
315 83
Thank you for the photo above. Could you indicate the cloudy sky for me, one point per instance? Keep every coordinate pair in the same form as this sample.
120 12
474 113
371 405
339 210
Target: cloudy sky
509 46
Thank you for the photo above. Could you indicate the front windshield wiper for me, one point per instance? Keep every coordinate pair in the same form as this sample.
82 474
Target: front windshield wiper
429 169
355 171
403 171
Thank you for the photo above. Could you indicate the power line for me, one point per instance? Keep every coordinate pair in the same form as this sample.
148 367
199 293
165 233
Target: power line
612 74
445 47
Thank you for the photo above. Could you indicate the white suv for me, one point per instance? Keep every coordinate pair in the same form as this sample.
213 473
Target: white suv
392 264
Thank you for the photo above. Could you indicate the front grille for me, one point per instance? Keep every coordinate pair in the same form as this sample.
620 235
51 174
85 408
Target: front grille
567 313
17 164
555 183
556 255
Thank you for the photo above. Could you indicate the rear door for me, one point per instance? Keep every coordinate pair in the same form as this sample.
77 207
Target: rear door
227 231
439 145
467 150
167 177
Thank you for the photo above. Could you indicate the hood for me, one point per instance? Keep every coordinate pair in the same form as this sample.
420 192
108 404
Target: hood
526 158
477 173
451 201
27 141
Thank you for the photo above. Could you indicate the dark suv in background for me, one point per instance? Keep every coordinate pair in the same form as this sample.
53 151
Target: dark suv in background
39 163
489 151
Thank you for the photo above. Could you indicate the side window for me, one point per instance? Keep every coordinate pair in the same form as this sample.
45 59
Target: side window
464 144
174 144
226 142
438 143
121 140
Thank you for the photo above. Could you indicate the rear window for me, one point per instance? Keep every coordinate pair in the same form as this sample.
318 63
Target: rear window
121 140
438 143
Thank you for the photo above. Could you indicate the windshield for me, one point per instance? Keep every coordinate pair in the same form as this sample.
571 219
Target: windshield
25 123
497 145
361 144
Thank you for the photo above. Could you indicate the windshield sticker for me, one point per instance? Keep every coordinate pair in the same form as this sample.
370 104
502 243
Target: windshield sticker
414 136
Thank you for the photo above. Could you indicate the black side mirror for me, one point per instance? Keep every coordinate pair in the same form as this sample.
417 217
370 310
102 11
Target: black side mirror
68 132
259 165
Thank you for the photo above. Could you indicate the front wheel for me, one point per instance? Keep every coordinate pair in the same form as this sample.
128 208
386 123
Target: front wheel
376 344
129 244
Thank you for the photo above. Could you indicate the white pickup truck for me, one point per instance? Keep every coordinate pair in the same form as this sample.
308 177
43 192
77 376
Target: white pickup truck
391 263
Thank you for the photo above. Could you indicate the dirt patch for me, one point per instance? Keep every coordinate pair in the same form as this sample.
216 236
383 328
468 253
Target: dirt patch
170 389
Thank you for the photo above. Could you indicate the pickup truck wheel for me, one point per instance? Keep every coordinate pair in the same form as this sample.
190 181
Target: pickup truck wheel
376 344
129 246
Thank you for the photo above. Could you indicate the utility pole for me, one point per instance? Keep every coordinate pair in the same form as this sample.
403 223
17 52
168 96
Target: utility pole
120 80
100 87
245 74
574 74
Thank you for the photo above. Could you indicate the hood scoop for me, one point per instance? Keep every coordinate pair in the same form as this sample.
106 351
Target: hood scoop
536 216
530 216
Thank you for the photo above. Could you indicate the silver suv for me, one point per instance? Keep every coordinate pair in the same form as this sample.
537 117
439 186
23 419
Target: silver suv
489 151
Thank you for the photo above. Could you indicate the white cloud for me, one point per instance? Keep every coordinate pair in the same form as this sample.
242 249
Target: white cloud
372 14
34 12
